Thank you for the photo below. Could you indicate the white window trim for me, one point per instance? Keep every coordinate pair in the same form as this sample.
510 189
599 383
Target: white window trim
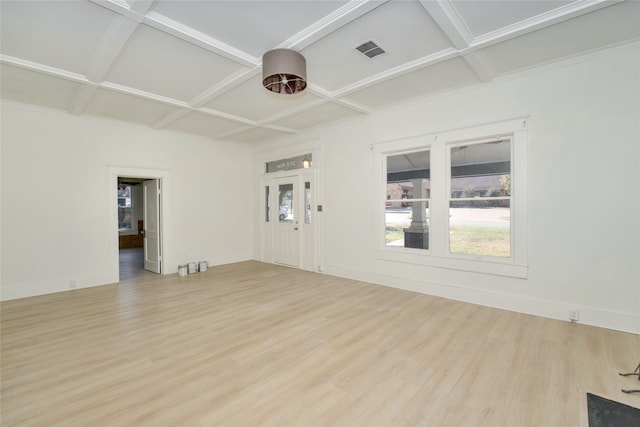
438 255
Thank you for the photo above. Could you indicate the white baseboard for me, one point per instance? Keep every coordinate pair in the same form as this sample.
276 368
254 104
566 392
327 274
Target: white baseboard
52 286
43 287
619 321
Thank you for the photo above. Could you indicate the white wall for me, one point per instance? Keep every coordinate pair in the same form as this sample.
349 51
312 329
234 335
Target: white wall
55 197
583 189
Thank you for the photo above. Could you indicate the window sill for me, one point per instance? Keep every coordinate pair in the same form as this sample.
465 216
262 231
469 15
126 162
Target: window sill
480 265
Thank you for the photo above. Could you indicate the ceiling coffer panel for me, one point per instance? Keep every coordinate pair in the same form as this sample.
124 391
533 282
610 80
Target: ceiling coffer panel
159 63
59 34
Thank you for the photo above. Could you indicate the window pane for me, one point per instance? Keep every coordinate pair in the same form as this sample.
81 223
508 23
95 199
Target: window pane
407 178
478 229
124 207
289 164
481 170
285 202
408 227
307 202
266 203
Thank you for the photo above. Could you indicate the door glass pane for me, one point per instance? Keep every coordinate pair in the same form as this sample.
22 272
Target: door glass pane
307 202
266 204
285 202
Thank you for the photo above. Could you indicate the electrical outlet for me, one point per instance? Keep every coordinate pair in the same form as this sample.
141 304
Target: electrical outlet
574 315
72 284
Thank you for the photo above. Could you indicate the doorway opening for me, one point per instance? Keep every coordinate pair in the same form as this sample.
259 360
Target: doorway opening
131 228
137 202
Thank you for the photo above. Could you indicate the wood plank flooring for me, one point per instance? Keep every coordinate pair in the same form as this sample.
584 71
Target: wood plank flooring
253 344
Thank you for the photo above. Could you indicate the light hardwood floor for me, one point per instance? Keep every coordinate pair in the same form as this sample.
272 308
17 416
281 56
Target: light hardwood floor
253 344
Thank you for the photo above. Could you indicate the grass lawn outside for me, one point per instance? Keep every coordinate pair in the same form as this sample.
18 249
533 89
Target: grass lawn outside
479 241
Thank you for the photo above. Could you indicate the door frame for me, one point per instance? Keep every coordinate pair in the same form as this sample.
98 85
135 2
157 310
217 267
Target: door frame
265 230
114 244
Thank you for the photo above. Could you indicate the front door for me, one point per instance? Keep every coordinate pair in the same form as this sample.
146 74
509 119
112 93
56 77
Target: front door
286 238
152 255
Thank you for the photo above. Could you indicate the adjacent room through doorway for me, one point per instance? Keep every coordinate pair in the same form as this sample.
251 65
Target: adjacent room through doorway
138 233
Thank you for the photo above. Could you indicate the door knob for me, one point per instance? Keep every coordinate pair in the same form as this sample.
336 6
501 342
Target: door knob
295 228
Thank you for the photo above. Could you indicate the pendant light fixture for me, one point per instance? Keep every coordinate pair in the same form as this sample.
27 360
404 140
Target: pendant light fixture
284 71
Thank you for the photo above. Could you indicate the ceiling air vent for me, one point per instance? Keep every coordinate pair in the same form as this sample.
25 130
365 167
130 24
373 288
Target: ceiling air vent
370 49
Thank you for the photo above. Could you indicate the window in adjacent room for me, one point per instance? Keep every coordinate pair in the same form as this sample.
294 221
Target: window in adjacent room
124 207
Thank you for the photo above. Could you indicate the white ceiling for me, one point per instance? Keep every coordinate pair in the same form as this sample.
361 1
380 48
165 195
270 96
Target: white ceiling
195 66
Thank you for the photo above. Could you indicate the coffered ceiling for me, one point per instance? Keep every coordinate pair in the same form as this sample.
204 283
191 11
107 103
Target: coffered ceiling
195 66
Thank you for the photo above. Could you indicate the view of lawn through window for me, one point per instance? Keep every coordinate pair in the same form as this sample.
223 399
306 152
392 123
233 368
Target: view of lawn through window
407 202
479 200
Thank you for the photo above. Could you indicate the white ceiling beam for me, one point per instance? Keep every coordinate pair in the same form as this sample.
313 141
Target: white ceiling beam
43 69
280 129
269 127
552 17
226 116
291 112
224 135
223 86
206 96
170 118
480 65
175 115
197 38
352 105
143 94
83 96
398 71
449 22
111 45
328 96
139 12
120 7
330 23
141 6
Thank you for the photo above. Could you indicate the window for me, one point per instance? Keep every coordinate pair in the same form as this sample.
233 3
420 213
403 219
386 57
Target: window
285 202
407 200
291 163
455 199
480 198
307 202
124 207
267 205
